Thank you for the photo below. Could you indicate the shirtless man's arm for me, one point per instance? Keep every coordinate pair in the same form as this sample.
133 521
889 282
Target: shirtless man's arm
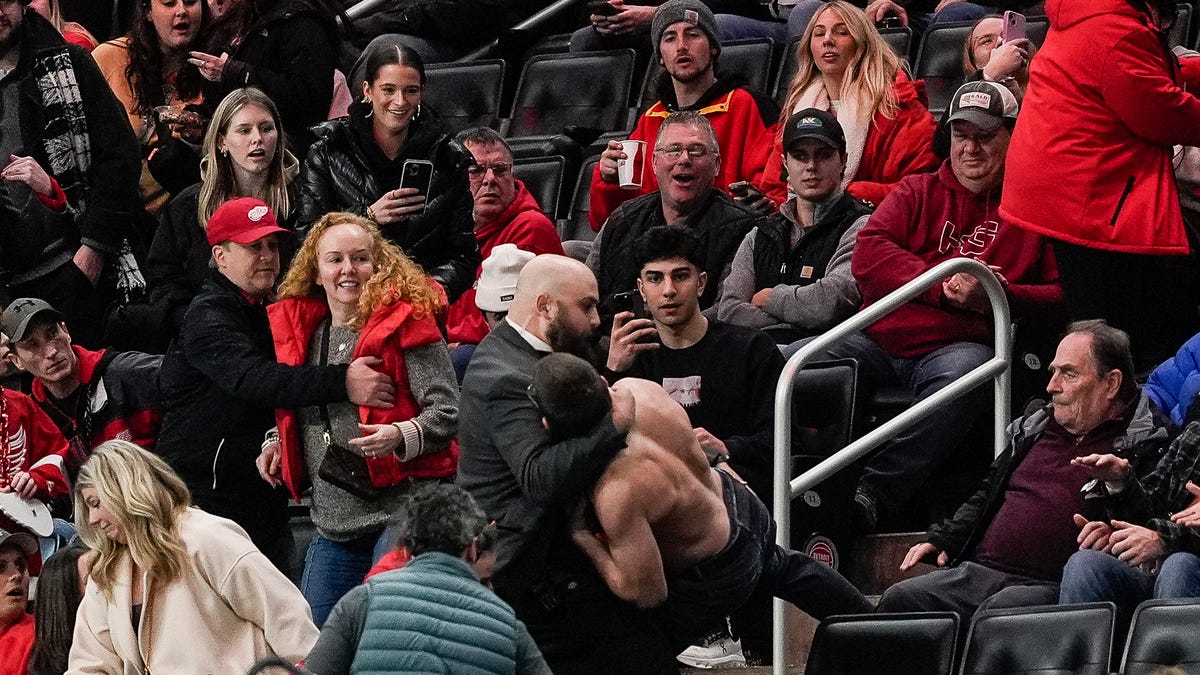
626 554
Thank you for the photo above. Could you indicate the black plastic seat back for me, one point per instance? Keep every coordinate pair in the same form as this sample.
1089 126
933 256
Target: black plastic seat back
1036 28
1163 634
899 38
748 60
543 176
939 62
918 643
1182 26
1049 640
465 95
586 90
576 226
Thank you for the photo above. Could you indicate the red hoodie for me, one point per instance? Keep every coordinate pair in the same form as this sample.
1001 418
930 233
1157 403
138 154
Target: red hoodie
894 148
522 224
1090 159
931 218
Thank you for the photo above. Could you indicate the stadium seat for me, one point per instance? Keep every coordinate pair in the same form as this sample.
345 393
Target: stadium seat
1163 634
899 38
824 419
748 60
918 643
1074 639
559 93
1180 30
465 95
1036 28
575 226
543 176
939 62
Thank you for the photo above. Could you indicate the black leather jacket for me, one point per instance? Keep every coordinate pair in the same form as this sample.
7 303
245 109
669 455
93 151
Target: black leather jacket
337 176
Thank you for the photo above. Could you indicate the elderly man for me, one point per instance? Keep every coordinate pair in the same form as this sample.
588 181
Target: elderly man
686 161
69 164
221 383
686 43
1006 546
793 271
435 599
16 624
946 332
505 213
92 396
525 480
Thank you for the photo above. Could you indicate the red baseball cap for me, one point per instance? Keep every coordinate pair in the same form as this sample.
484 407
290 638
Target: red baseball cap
244 220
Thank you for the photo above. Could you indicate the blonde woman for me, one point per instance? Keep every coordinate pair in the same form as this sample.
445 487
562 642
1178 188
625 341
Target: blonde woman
173 589
244 154
845 68
349 294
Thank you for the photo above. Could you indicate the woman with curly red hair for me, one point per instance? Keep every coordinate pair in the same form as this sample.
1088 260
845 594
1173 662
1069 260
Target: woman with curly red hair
351 293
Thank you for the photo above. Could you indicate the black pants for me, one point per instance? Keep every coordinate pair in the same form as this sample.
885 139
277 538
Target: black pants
1151 297
581 627
69 291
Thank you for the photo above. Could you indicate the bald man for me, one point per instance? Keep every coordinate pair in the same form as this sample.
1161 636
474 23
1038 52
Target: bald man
526 481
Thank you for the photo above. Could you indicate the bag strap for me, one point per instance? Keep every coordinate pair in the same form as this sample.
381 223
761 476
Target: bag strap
324 361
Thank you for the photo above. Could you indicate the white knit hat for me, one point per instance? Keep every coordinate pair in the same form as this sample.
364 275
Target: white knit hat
497 283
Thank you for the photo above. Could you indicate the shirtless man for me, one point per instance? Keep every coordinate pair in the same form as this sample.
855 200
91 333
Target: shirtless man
667 527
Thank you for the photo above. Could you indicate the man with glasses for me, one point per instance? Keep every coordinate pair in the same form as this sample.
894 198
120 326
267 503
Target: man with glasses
686 44
686 160
504 212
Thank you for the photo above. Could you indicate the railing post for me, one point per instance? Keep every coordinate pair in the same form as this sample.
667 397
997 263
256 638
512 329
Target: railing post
998 369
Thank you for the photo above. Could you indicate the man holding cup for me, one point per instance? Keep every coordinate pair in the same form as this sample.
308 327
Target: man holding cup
685 160
686 44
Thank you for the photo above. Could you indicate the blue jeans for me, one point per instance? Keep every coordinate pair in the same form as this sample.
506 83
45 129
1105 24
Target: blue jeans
1095 576
332 568
700 597
896 471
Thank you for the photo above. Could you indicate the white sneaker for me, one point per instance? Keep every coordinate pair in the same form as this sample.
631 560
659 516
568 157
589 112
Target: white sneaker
718 650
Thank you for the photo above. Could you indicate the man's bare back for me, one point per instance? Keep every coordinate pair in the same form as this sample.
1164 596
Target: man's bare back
664 476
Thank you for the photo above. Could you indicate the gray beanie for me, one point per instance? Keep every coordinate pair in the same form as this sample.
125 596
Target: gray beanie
691 11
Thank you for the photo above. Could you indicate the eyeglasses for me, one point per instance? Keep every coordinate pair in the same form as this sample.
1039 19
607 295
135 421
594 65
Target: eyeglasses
675 151
478 171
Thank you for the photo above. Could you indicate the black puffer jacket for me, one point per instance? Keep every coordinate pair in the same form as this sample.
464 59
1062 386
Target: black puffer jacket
290 52
338 176
220 386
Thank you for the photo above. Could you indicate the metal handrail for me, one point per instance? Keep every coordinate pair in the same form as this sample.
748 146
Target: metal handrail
997 369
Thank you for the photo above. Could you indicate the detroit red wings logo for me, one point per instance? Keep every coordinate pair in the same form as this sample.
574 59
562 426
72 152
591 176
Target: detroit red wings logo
970 245
12 457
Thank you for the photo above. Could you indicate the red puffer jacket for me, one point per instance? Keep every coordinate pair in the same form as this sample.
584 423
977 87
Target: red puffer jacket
1090 159
390 330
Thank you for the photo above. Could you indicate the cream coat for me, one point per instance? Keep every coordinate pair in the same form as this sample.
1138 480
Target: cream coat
231 607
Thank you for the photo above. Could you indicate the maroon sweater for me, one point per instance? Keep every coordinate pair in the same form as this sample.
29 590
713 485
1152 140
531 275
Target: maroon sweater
1033 533
928 219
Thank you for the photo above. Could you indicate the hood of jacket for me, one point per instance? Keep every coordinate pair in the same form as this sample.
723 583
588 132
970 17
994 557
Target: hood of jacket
522 203
1067 13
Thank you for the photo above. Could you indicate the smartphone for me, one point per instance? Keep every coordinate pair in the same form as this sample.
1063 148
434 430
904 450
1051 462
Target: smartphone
745 192
1014 27
889 22
601 8
417 173
631 301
